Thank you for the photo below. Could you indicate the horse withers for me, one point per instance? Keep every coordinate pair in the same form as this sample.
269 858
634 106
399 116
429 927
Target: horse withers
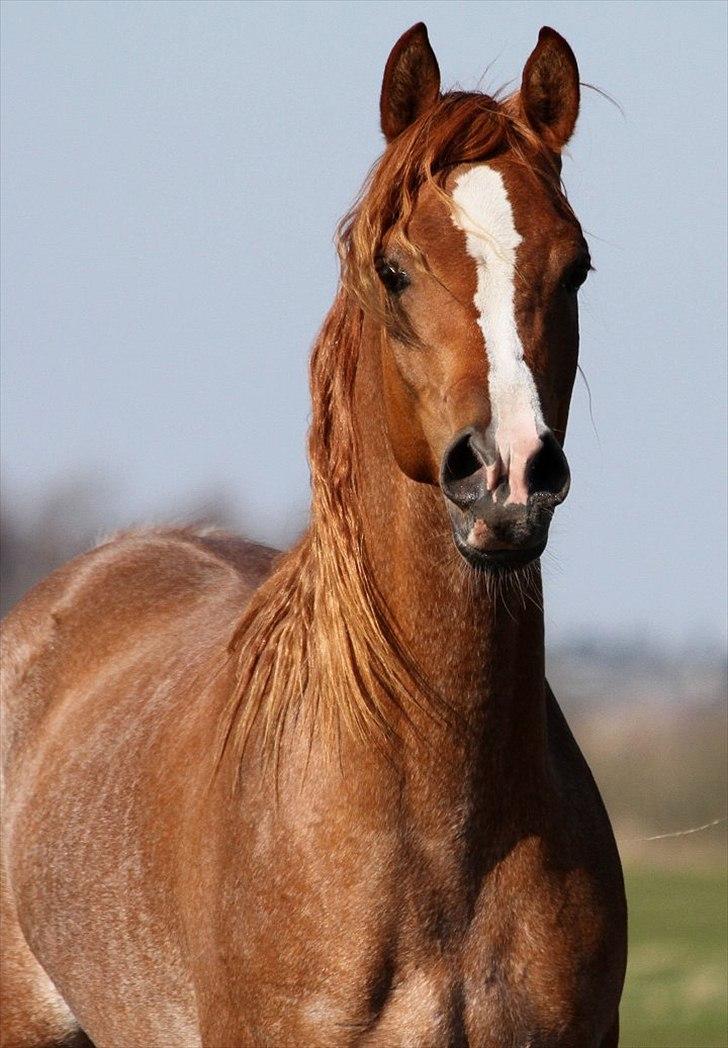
327 798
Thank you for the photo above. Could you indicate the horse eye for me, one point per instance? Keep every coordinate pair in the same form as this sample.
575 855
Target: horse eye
394 279
575 276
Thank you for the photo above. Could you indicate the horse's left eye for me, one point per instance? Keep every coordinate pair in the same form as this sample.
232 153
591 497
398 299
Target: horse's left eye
394 279
575 276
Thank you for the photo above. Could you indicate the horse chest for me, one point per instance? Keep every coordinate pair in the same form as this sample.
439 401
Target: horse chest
525 980
480 995
524 963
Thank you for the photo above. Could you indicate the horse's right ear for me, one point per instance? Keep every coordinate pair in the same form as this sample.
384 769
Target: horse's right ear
411 81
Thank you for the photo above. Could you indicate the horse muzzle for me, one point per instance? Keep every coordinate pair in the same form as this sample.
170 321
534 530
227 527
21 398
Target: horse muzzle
501 512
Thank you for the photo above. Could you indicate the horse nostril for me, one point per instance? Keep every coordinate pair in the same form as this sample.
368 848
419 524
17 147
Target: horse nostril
461 460
548 471
460 468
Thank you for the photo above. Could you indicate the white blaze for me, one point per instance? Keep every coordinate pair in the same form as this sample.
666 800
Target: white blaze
484 213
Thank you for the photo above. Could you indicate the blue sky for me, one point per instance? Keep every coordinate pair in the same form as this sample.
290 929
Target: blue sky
172 176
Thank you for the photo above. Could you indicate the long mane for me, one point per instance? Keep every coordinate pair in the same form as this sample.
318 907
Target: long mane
315 645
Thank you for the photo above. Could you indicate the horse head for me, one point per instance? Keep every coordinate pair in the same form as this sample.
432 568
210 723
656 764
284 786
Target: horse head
467 256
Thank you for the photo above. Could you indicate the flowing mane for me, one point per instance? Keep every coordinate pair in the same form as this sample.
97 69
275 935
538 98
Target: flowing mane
316 643
316 630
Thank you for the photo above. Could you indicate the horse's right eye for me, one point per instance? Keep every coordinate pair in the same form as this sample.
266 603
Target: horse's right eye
394 279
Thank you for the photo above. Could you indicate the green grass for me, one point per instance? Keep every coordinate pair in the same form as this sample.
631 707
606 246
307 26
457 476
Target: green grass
675 995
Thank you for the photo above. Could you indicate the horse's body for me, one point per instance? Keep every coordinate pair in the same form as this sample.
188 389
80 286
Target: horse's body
404 853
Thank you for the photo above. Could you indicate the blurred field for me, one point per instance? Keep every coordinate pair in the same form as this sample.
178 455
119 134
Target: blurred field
675 996
661 766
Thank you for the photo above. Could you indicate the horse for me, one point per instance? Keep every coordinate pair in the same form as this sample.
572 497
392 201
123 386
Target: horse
327 797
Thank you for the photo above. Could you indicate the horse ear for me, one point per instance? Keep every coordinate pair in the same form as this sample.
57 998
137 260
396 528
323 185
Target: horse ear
550 89
411 81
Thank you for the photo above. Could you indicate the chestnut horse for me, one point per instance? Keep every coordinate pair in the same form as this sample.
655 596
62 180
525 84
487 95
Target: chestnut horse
327 798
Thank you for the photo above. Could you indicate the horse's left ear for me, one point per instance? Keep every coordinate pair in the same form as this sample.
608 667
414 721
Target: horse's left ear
550 89
411 81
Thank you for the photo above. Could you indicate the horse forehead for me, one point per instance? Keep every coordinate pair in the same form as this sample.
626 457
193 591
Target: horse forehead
509 206
502 204
474 228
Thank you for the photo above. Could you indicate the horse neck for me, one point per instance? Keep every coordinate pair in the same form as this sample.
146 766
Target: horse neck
478 645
